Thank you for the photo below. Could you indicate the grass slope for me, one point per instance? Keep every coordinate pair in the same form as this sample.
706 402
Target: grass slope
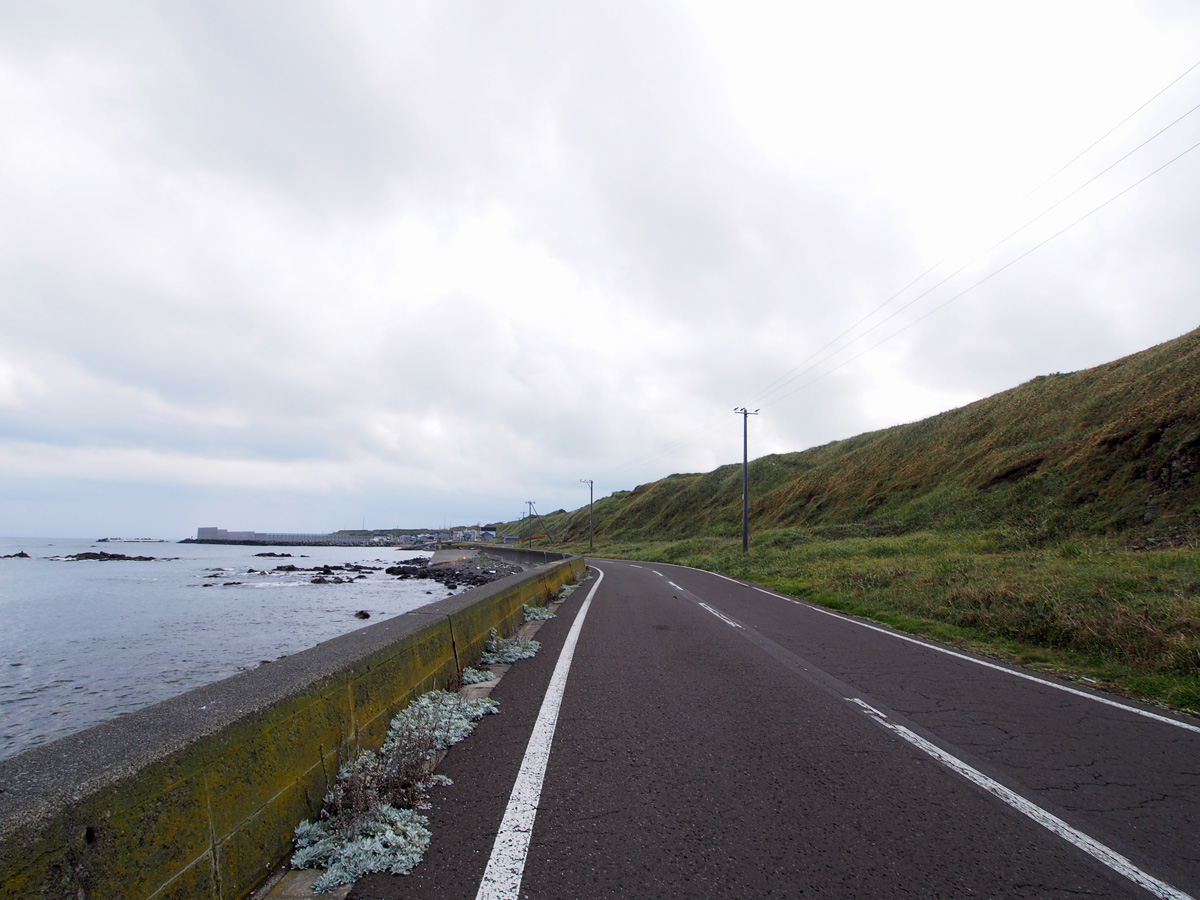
1112 449
1018 525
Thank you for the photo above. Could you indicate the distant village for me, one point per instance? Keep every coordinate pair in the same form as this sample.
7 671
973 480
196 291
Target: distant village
386 538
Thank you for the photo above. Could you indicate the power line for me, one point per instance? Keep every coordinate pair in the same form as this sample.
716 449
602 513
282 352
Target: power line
788 380
784 377
802 368
993 274
1078 155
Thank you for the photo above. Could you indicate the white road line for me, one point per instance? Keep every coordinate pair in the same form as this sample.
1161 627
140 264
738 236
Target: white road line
867 706
632 566
506 866
780 597
720 615
726 577
674 585
981 662
658 573
1049 821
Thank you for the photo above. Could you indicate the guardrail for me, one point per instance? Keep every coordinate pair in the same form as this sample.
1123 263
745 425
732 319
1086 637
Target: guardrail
197 796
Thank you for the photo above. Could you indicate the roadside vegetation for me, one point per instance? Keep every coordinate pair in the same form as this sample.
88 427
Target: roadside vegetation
1054 524
372 818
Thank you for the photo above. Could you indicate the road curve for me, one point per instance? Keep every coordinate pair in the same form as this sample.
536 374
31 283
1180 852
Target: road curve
715 739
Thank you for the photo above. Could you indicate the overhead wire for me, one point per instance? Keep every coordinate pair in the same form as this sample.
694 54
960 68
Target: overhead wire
800 369
996 272
784 377
1084 151
764 394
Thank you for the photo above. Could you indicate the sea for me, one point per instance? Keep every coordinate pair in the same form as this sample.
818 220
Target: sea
84 641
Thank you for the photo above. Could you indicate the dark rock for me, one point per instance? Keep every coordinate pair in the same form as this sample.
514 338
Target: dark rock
362 614
466 572
20 554
103 556
406 571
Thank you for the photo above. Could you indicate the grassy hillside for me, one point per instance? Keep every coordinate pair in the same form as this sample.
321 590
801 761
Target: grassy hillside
1114 449
1053 524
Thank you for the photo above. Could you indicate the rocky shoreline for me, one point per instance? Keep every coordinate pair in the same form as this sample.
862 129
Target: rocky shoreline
463 572
466 572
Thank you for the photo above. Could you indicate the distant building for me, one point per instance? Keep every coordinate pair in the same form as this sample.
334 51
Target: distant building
221 536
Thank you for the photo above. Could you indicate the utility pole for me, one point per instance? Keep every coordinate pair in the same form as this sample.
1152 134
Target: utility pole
746 414
591 527
529 545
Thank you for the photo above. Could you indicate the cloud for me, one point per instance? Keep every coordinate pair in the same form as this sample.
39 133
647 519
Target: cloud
437 261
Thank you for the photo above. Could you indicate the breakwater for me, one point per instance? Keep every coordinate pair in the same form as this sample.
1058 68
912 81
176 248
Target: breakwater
197 796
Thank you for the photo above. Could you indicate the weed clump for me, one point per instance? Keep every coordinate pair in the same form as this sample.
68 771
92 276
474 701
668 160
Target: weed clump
507 650
536 613
476 676
370 820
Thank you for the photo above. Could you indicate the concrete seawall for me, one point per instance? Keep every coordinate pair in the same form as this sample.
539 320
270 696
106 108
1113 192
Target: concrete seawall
197 796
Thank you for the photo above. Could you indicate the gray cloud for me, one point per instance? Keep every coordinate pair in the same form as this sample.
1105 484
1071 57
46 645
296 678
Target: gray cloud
284 265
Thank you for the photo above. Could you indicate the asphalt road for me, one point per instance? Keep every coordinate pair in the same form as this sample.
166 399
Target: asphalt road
718 740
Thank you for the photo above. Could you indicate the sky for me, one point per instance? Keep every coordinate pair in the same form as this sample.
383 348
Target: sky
306 266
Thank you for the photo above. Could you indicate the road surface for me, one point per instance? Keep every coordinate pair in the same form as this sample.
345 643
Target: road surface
714 739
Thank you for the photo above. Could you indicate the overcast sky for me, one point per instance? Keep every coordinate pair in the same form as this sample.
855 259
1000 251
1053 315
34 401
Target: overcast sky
300 266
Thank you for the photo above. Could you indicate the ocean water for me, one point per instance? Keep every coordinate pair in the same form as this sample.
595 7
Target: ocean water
85 641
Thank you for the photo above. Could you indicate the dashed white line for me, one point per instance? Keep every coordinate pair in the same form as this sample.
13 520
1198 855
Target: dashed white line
674 585
720 615
989 665
1049 821
506 866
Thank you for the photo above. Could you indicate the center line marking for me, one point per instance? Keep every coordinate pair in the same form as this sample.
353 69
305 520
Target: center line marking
1049 821
506 866
720 615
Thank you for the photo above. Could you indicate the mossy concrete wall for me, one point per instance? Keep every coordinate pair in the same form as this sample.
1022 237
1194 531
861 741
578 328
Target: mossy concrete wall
197 797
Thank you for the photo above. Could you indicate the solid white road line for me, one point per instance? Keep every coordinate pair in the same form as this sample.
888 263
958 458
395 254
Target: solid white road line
1188 726
719 575
506 866
1049 821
